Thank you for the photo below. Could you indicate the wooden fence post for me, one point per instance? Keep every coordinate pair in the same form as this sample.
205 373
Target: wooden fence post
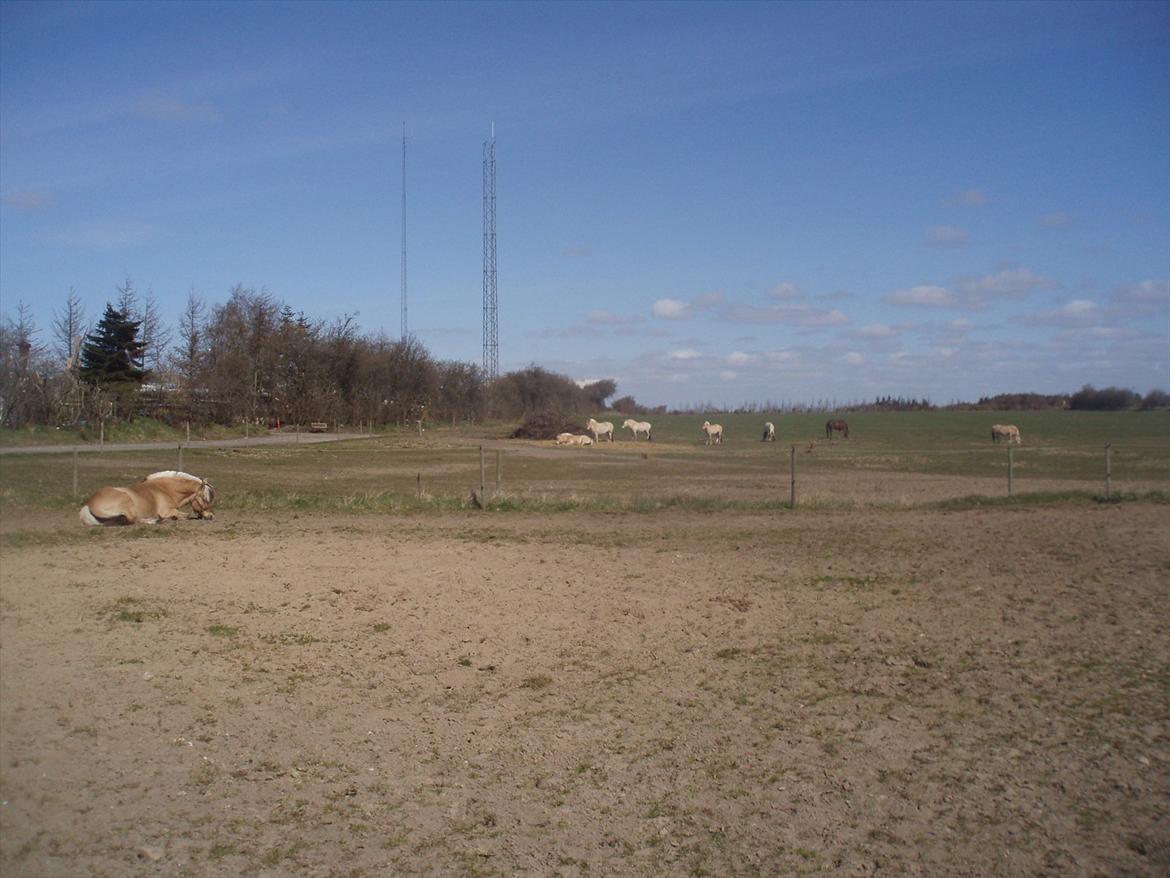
792 501
481 474
188 431
1010 465
1108 469
180 457
102 437
497 469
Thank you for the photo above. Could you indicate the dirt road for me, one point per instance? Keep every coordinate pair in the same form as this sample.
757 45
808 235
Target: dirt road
846 693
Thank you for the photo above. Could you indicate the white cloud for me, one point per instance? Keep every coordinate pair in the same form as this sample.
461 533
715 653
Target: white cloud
671 309
728 375
971 197
1078 308
785 291
739 358
684 354
796 315
1012 282
608 318
107 235
929 295
962 324
1056 220
784 358
156 105
947 237
877 330
1156 291
27 201
853 358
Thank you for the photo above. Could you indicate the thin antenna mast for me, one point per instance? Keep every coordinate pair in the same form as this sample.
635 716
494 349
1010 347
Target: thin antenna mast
405 331
491 347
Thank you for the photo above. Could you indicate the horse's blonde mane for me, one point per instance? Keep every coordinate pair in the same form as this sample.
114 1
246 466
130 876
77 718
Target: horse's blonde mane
172 474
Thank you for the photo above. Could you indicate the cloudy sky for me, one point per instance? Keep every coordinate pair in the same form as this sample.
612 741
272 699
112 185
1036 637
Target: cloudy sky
708 203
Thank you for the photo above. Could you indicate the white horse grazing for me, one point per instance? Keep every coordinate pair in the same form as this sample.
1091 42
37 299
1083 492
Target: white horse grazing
769 432
599 429
714 433
1006 432
638 427
158 497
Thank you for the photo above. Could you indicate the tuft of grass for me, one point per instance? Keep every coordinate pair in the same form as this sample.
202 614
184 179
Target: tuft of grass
540 681
274 856
290 638
1048 498
130 609
218 630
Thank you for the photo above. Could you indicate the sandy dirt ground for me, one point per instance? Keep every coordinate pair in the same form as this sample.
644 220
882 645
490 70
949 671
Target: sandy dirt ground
844 692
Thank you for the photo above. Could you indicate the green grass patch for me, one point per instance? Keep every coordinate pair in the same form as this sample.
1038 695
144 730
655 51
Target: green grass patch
131 609
1049 498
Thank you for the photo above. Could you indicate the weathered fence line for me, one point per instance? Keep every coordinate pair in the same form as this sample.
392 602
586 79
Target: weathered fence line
792 495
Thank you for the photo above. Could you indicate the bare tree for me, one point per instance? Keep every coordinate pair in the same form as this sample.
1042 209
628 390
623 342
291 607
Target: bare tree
24 393
127 297
155 335
190 355
69 328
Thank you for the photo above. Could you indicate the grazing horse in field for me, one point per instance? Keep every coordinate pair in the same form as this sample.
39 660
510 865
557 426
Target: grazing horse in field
1007 432
837 426
638 427
599 429
769 432
158 497
714 433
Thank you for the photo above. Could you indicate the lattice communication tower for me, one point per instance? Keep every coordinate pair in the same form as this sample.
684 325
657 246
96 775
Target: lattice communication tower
491 346
404 326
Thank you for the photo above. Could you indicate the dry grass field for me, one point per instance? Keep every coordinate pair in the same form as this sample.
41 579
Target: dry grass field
636 662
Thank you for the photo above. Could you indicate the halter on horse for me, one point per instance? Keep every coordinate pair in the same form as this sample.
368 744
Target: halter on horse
158 497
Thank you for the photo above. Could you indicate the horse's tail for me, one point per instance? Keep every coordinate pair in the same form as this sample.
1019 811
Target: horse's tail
88 518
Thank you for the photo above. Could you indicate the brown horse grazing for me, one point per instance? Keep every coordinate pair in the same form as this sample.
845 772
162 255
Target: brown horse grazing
158 497
832 427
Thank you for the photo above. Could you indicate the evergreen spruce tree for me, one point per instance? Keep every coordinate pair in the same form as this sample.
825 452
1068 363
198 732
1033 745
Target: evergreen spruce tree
113 353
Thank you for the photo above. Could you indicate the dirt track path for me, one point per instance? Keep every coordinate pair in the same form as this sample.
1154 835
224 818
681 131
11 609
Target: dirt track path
854 693
268 439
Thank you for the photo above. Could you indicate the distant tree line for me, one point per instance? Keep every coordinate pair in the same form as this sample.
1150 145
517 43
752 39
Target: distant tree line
251 358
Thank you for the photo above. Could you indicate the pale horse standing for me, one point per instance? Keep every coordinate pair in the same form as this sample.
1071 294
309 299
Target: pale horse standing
714 433
638 427
769 432
599 429
1009 433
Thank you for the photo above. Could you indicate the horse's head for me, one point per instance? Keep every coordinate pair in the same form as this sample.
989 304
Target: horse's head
203 500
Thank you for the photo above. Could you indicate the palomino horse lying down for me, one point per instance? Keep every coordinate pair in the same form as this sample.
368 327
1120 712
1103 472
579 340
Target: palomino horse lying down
158 497
570 439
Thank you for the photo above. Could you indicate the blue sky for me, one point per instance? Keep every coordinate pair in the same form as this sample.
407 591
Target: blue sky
718 203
